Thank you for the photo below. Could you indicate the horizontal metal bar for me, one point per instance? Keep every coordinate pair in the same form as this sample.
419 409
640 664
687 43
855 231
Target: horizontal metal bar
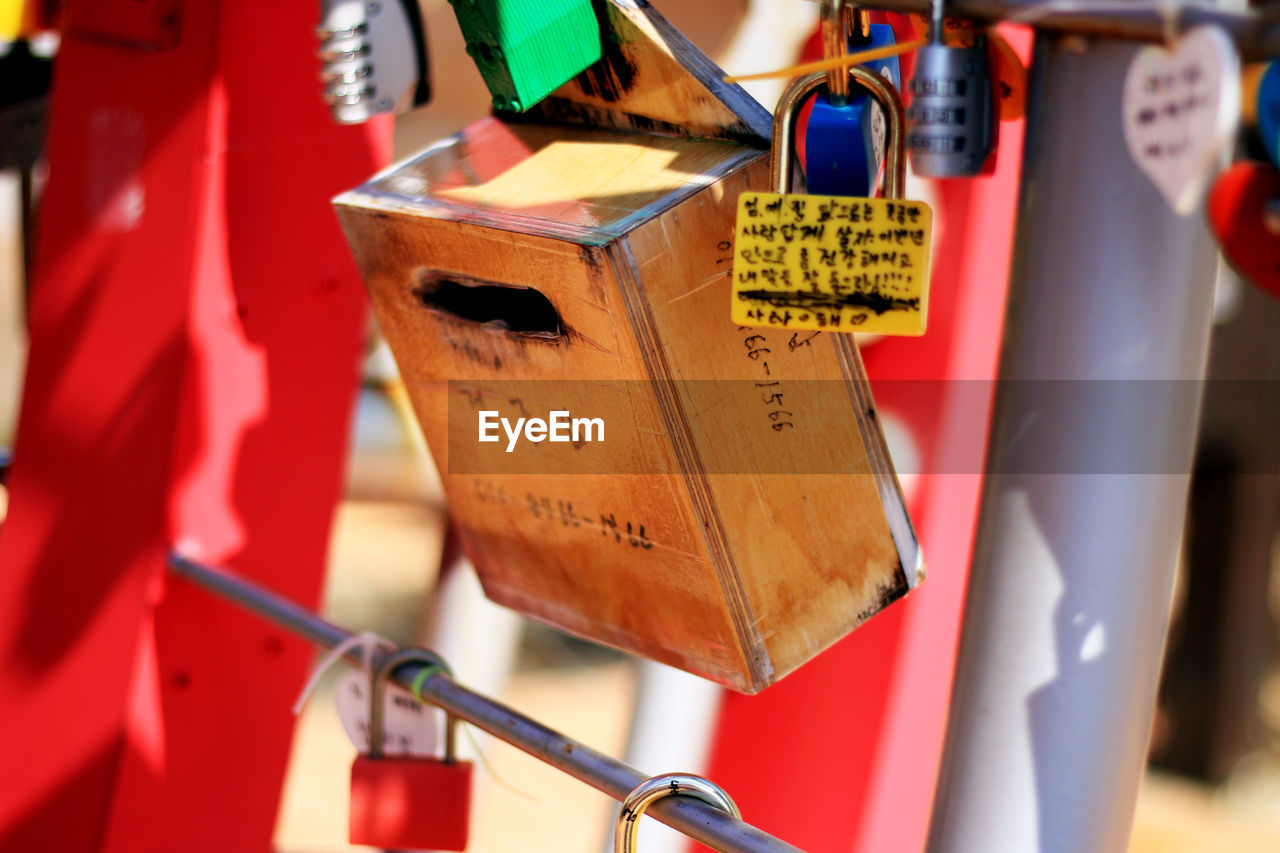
1256 34
698 820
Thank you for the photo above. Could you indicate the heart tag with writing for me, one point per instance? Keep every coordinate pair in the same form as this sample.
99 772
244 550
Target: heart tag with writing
410 728
1181 107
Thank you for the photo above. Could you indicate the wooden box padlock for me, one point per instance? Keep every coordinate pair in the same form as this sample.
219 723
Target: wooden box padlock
577 258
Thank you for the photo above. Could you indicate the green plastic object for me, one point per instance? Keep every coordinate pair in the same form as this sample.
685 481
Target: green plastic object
526 49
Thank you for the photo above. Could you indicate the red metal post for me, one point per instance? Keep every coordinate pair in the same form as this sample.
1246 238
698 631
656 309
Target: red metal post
196 327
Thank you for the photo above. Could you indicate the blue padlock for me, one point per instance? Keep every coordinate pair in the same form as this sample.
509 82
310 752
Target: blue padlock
1268 108
845 137
880 35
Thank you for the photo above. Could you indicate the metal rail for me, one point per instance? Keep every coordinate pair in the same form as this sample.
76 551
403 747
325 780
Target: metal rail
1256 34
702 822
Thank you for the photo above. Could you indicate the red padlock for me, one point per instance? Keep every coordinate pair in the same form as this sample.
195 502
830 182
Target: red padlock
1241 211
407 801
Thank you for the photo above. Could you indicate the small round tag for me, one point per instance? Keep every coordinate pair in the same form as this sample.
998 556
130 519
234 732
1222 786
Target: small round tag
410 727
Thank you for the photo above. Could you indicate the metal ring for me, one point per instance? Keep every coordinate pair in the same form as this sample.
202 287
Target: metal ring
835 42
784 128
378 691
667 785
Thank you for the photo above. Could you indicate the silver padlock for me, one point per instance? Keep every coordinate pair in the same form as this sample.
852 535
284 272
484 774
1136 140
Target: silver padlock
373 56
953 116
669 785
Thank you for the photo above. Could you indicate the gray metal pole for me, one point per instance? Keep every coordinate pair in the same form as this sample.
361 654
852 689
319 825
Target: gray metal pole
695 818
1081 521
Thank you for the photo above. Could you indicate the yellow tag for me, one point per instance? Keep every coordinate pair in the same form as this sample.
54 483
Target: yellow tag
836 263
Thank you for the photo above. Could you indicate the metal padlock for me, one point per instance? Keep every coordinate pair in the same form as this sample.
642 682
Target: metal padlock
374 57
832 263
526 49
953 116
868 36
669 785
407 801
789 105
845 136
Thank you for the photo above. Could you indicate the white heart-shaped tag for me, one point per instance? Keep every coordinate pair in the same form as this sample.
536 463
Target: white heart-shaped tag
1181 108
409 728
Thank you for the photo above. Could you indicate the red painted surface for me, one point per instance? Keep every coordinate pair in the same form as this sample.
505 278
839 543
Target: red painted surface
1236 210
842 755
196 325
410 803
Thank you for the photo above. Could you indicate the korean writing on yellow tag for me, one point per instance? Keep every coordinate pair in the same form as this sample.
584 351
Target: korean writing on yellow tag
834 263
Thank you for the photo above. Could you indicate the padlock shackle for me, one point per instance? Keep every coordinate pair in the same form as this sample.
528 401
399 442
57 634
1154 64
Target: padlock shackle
835 43
784 128
652 790
378 697
838 20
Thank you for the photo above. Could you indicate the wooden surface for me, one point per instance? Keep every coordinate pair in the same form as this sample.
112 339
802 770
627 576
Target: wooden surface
740 574
813 553
589 186
709 531
652 79
530 562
